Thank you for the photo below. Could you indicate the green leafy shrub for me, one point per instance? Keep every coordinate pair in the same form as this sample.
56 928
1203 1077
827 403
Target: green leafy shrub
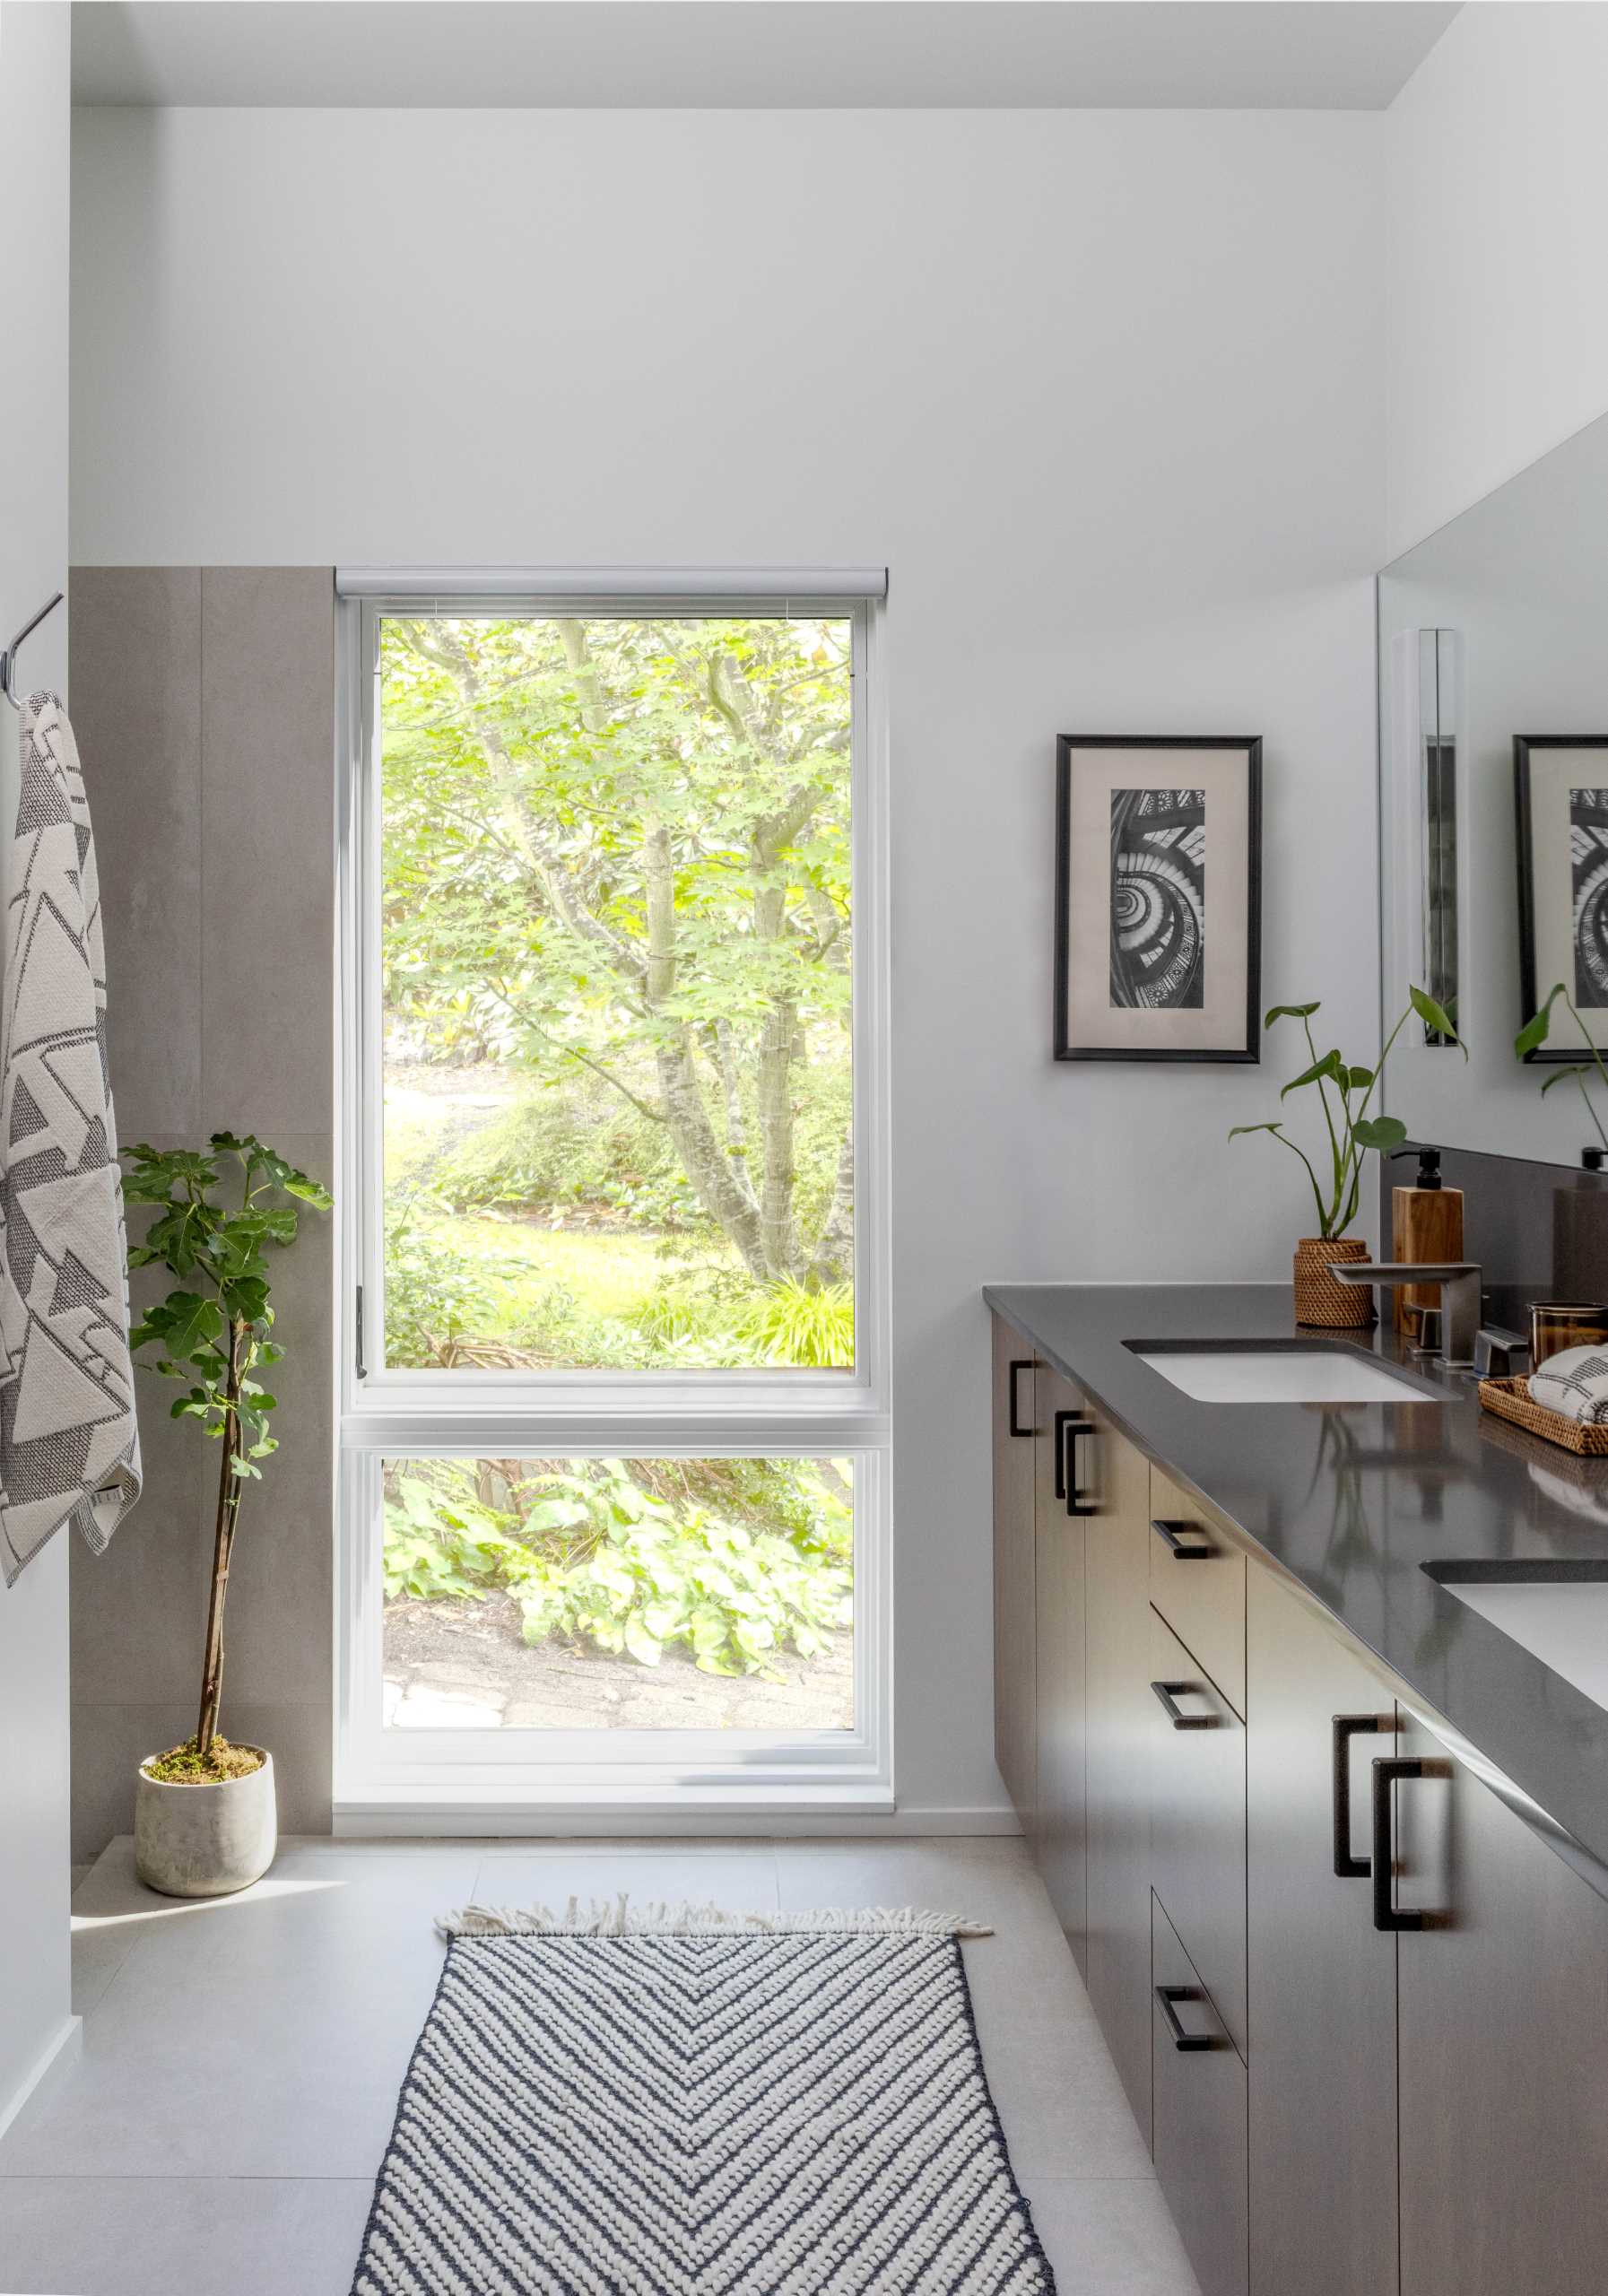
593 1556
443 1541
567 1148
805 1324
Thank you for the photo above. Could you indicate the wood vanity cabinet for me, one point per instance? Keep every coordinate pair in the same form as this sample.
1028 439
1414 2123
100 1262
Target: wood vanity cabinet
1118 1618
1502 1999
1337 2105
1063 1466
1015 1574
1323 2201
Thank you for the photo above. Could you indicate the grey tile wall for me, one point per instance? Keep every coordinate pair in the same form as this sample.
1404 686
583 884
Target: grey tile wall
203 702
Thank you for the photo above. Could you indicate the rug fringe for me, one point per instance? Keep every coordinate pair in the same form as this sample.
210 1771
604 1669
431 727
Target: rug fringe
618 1918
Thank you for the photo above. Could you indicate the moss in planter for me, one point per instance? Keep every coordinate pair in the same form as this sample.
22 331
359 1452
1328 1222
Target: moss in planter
185 1766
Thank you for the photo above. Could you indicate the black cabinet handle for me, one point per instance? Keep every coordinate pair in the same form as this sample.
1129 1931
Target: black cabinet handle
1168 1692
1069 1426
1385 1773
1348 1727
1173 1535
1059 1440
1025 1363
1166 1995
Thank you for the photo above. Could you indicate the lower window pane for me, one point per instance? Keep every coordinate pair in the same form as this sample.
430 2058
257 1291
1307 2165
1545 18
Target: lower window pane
595 1594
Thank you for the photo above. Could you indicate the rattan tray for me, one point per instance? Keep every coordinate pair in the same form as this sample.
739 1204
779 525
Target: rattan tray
1510 1400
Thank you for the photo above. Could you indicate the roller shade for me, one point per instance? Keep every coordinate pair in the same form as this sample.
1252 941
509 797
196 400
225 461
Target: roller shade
606 582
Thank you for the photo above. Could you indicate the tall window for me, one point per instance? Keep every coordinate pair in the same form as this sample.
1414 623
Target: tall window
614 1412
615 921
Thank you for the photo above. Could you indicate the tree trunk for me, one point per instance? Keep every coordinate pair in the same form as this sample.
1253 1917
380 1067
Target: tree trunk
833 1260
721 1181
778 1238
229 1508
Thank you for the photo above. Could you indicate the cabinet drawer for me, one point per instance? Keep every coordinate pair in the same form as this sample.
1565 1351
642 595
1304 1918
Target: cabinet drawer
1199 2117
1197 1820
1197 1583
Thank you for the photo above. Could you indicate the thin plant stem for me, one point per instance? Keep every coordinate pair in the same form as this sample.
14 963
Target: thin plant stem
1596 1058
1328 1120
1296 1150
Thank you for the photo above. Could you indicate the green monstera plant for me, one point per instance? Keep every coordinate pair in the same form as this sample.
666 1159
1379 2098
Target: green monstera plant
218 1212
1345 1092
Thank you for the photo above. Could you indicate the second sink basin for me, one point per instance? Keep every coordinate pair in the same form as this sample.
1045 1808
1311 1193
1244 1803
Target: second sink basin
1299 1372
1558 1611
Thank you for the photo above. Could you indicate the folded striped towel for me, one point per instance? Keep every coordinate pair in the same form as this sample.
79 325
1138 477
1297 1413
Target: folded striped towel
1574 1383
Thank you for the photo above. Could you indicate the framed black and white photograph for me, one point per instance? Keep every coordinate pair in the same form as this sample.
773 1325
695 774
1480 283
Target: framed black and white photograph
1560 786
1157 896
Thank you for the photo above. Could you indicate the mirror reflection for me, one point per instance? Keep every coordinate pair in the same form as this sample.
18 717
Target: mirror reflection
1493 749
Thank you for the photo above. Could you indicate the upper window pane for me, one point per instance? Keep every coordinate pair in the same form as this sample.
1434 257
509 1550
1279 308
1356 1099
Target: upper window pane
614 928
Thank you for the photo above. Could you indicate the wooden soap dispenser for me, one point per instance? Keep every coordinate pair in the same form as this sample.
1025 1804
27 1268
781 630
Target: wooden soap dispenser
1426 1223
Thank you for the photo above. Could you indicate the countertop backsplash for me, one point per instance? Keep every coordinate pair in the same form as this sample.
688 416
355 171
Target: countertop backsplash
1539 1231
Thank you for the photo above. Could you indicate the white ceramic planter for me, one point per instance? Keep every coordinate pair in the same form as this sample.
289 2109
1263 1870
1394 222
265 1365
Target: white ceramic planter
202 1841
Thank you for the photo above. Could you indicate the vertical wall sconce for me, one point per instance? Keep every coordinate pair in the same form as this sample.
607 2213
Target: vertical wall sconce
1439 692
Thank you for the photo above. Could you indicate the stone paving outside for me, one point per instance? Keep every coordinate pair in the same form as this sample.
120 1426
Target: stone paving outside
465 1665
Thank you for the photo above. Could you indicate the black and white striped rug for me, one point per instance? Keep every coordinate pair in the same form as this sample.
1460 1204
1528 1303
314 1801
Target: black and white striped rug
625 2108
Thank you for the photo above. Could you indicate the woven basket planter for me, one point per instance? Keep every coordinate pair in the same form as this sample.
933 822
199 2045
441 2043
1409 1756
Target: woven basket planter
1319 1298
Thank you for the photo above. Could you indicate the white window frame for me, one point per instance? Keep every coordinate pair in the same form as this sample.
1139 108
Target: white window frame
475 1781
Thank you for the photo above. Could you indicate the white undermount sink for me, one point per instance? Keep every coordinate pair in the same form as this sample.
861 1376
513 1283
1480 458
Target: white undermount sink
1233 1373
1561 1621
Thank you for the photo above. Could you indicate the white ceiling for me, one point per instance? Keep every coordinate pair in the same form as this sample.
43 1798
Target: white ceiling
1214 54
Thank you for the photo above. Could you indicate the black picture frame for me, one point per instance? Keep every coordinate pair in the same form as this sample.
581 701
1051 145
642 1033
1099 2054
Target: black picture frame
1247 1046
1527 847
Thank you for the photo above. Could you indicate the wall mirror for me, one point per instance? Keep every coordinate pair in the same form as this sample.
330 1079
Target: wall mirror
1494 807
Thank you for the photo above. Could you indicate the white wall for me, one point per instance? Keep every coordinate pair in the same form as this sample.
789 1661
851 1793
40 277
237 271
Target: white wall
1498 212
1104 390
34 1980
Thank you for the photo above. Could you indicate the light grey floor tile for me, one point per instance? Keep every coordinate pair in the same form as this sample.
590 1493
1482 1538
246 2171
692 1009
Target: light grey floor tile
1109 2237
268 2034
735 1881
155 2236
99 1950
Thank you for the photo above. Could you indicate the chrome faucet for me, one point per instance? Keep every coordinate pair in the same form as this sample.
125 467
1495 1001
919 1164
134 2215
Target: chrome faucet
1460 1287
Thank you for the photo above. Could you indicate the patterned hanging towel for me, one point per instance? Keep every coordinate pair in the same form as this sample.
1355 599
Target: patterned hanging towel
69 1443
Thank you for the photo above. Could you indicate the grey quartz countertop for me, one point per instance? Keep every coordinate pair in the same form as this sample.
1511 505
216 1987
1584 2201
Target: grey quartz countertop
1354 1500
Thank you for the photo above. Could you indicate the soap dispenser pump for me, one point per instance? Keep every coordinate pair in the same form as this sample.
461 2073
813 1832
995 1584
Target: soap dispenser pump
1426 1223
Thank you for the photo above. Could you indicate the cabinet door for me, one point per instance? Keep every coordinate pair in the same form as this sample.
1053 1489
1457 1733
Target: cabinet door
1322 1979
1503 2003
1199 2119
1013 1567
1197 1820
1058 1659
1119 1708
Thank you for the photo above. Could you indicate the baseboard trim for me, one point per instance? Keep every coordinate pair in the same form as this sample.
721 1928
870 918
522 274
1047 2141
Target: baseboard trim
50 2069
484 1822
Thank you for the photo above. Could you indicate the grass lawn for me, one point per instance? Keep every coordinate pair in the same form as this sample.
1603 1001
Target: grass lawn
611 1273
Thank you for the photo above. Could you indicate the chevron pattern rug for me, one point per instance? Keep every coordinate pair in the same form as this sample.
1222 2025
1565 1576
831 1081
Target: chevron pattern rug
602 2110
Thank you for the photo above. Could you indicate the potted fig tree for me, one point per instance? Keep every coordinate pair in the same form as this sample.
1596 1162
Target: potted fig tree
205 1814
